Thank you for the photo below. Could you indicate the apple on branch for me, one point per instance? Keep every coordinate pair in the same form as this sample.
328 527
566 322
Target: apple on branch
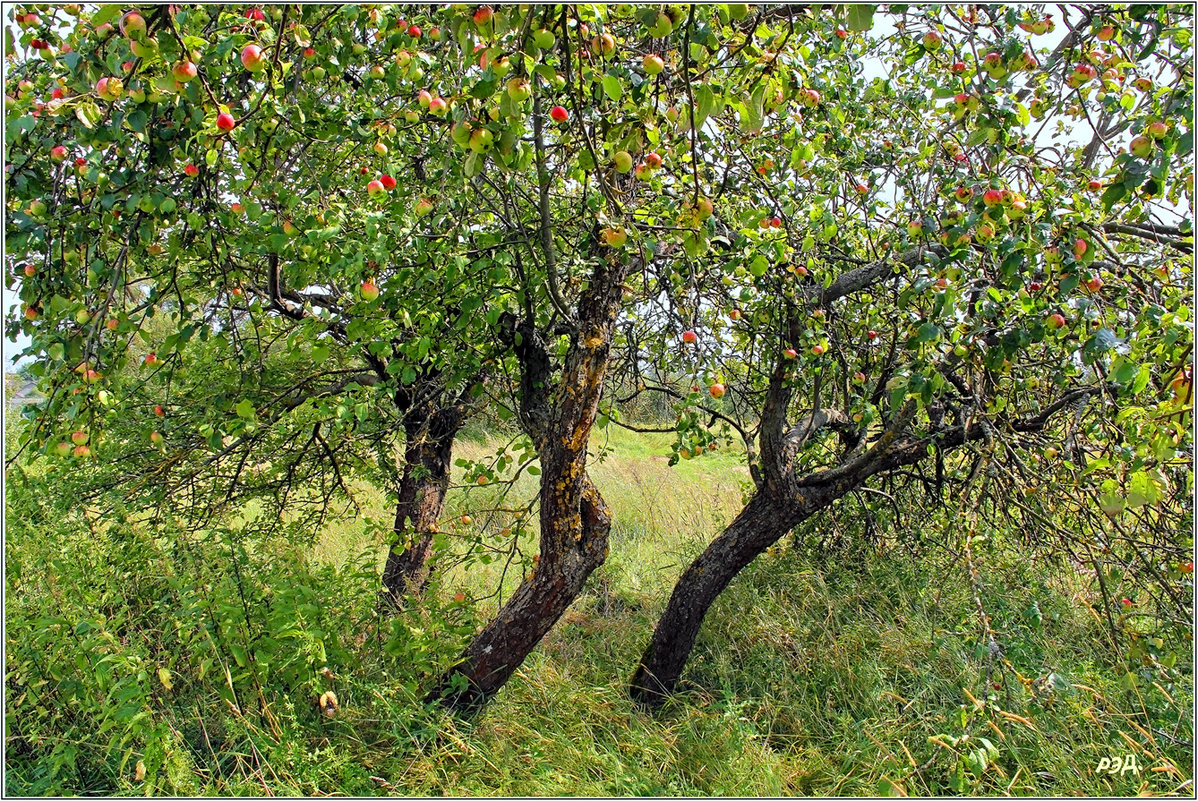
252 58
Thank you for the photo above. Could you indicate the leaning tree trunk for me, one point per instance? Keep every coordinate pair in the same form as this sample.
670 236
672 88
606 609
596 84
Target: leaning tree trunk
427 454
771 513
573 516
762 522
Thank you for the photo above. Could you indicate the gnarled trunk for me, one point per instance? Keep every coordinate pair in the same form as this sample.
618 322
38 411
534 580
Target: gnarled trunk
771 514
538 603
574 518
762 522
427 453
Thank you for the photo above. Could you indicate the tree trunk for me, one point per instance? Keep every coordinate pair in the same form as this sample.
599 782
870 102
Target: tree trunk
762 522
574 518
765 519
501 647
427 454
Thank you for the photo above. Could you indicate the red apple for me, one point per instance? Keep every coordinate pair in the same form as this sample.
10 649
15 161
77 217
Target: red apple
1094 284
1186 567
191 171
225 121
957 68
388 182
156 438
29 270
438 106
790 353
252 58
735 314
859 378
483 16
690 337
375 188
1157 130
1094 186
133 25
716 390
79 437
1055 321
992 197
159 411
82 452
109 88
872 334
653 64
184 71
818 350
1080 246
558 114
369 290
152 359
414 31
932 41
964 194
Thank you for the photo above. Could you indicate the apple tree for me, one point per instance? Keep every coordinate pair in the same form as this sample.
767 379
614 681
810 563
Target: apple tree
962 277
339 229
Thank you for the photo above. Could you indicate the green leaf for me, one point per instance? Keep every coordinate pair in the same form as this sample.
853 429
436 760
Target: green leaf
1022 114
1113 194
861 17
1143 490
22 125
137 121
754 110
612 87
106 13
704 103
238 655
245 410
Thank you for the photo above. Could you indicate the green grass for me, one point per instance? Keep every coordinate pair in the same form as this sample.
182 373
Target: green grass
860 671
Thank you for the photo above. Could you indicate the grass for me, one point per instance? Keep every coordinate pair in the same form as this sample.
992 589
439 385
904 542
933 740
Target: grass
861 671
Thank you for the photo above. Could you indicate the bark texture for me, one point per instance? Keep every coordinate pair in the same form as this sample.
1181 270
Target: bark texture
427 454
558 415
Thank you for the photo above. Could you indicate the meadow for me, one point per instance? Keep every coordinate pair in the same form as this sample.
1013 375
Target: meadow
142 659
